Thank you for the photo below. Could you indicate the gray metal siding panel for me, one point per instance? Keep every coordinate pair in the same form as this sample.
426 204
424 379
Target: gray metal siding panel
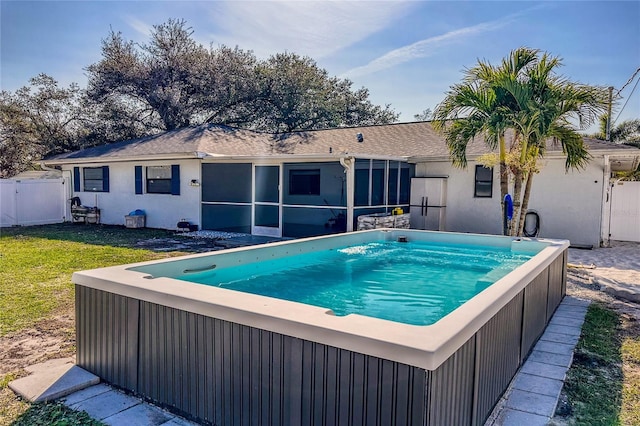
230 374
534 321
386 385
557 283
107 335
562 270
497 357
451 388
293 374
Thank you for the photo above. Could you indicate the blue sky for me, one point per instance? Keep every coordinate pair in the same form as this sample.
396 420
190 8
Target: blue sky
406 53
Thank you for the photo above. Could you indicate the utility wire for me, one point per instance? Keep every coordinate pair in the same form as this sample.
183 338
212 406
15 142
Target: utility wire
628 97
627 83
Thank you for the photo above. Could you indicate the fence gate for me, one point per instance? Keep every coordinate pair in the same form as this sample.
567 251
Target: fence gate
33 201
625 211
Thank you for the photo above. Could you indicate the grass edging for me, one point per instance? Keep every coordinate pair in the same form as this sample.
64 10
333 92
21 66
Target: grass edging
54 413
599 387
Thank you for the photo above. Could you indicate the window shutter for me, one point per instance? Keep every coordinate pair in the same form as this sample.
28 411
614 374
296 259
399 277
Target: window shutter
138 172
175 179
76 179
105 178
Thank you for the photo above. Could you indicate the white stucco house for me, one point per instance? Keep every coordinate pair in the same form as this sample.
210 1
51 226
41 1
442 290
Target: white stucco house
318 182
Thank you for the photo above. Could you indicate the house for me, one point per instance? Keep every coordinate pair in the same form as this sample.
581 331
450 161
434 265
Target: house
318 182
570 204
226 179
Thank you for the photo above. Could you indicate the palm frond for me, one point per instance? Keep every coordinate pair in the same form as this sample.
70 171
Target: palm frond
459 134
572 145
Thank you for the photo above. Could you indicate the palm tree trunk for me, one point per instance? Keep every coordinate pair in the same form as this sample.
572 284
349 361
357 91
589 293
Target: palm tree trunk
519 178
525 203
527 191
504 183
517 192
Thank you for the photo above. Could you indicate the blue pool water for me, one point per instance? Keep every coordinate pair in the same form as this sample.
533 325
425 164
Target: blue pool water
414 283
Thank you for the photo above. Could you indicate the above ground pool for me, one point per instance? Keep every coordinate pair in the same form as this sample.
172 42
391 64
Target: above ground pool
410 282
373 327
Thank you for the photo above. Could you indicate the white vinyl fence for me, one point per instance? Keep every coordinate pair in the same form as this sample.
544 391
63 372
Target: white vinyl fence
625 211
33 201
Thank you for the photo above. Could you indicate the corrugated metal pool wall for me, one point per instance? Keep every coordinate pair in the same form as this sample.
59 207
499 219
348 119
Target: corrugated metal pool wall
223 373
107 335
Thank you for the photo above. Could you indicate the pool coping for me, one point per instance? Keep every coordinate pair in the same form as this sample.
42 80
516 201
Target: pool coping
420 346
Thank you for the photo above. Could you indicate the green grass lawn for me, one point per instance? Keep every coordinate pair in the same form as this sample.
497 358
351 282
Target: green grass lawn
54 413
36 264
603 383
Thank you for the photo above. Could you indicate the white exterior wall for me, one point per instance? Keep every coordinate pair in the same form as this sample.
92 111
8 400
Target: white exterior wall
464 212
163 210
569 203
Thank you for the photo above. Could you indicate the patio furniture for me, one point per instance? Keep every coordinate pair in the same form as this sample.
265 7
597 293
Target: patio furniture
83 214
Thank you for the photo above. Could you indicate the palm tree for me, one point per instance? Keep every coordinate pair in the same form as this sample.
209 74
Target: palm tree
626 132
525 95
547 107
480 106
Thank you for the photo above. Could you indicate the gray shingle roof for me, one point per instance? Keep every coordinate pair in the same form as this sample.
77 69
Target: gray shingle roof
417 139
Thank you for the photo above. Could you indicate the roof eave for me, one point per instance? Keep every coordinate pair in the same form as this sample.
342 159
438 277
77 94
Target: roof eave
107 159
305 157
617 153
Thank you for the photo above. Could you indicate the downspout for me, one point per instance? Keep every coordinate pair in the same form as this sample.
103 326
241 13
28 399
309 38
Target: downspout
47 168
605 212
349 170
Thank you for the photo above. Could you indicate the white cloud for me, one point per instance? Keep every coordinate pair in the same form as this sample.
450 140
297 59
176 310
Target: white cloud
313 28
425 48
139 26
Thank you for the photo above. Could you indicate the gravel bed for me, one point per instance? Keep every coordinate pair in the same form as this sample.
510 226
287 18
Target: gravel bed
217 235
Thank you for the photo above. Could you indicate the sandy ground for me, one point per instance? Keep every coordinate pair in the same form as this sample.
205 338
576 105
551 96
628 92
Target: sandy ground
592 273
610 275
52 338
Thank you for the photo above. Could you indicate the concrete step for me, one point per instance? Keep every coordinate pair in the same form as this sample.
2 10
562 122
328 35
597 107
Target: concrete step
53 379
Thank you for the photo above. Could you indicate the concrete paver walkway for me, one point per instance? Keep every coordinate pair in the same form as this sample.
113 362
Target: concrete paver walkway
52 379
116 408
533 395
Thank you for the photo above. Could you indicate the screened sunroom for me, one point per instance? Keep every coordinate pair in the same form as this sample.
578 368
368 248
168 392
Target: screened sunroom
300 197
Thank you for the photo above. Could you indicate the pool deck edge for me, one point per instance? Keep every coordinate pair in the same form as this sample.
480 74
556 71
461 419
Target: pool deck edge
425 347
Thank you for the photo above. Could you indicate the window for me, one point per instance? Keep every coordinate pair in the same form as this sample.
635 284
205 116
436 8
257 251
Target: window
371 179
95 179
361 196
484 182
377 182
304 182
159 179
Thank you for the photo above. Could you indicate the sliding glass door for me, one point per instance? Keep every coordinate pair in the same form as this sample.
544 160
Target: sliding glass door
266 201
